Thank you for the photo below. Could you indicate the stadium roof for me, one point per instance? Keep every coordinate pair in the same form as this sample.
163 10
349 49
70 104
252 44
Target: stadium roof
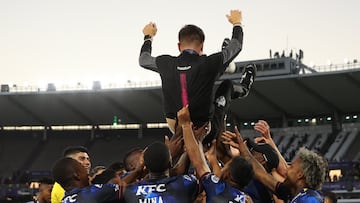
274 97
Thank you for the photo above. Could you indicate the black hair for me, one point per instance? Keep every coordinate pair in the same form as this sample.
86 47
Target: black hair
47 180
157 157
63 170
241 171
191 33
74 149
127 156
104 177
96 169
116 166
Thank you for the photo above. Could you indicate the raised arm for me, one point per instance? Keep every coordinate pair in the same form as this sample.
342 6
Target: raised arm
212 159
235 45
235 140
264 129
193 147
146 60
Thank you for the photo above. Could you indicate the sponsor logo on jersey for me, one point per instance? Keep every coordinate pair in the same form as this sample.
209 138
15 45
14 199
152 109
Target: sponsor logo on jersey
152 200
183 68
70 198
147 189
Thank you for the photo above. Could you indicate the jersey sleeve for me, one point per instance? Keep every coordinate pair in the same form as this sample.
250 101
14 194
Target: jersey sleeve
109 192
145 59
212 184
234 47
191 183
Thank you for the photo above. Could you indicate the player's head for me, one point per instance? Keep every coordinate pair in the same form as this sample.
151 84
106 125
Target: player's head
80 154
157 157
131 158
69 173
238 172
307 169
107 176
264 154
191 36
119 167
45 187
96 171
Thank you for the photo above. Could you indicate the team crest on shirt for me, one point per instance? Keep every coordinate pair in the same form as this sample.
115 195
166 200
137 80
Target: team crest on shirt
214 178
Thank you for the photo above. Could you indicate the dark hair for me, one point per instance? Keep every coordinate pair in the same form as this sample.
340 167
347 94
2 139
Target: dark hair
73 150
46 180
104 177
117 166
241 171
191 33
157 157
63 170
128 155
96 169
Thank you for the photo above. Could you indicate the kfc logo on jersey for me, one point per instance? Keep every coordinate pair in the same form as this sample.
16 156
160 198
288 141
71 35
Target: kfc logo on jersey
147 189
71 198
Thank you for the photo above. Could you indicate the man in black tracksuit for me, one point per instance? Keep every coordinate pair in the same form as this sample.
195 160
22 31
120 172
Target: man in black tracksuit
189 79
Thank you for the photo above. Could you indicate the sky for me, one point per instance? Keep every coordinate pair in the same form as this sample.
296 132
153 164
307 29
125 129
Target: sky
71 41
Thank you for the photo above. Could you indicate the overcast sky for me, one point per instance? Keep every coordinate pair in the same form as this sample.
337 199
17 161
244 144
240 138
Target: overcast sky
69 41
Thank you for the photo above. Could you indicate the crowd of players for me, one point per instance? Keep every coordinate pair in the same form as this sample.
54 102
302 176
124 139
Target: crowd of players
201 161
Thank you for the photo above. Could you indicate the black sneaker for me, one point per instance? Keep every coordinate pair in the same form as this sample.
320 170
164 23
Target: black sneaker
246 81
225 43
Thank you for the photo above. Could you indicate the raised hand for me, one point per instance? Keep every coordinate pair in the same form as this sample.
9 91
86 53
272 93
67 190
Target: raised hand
150 29
184 116
263 127
234 17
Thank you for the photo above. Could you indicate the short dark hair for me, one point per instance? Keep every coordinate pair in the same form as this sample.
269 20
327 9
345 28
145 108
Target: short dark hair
96 169
47 180
117 166
104 177
191 33
73 150
128 155
157 157
241 171
63 170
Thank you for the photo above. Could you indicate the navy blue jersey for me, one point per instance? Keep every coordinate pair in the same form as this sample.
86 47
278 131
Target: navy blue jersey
304 196
258 192
218 191
308 196
93 194
176 189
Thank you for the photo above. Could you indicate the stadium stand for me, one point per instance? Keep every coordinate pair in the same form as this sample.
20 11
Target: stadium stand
285 100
